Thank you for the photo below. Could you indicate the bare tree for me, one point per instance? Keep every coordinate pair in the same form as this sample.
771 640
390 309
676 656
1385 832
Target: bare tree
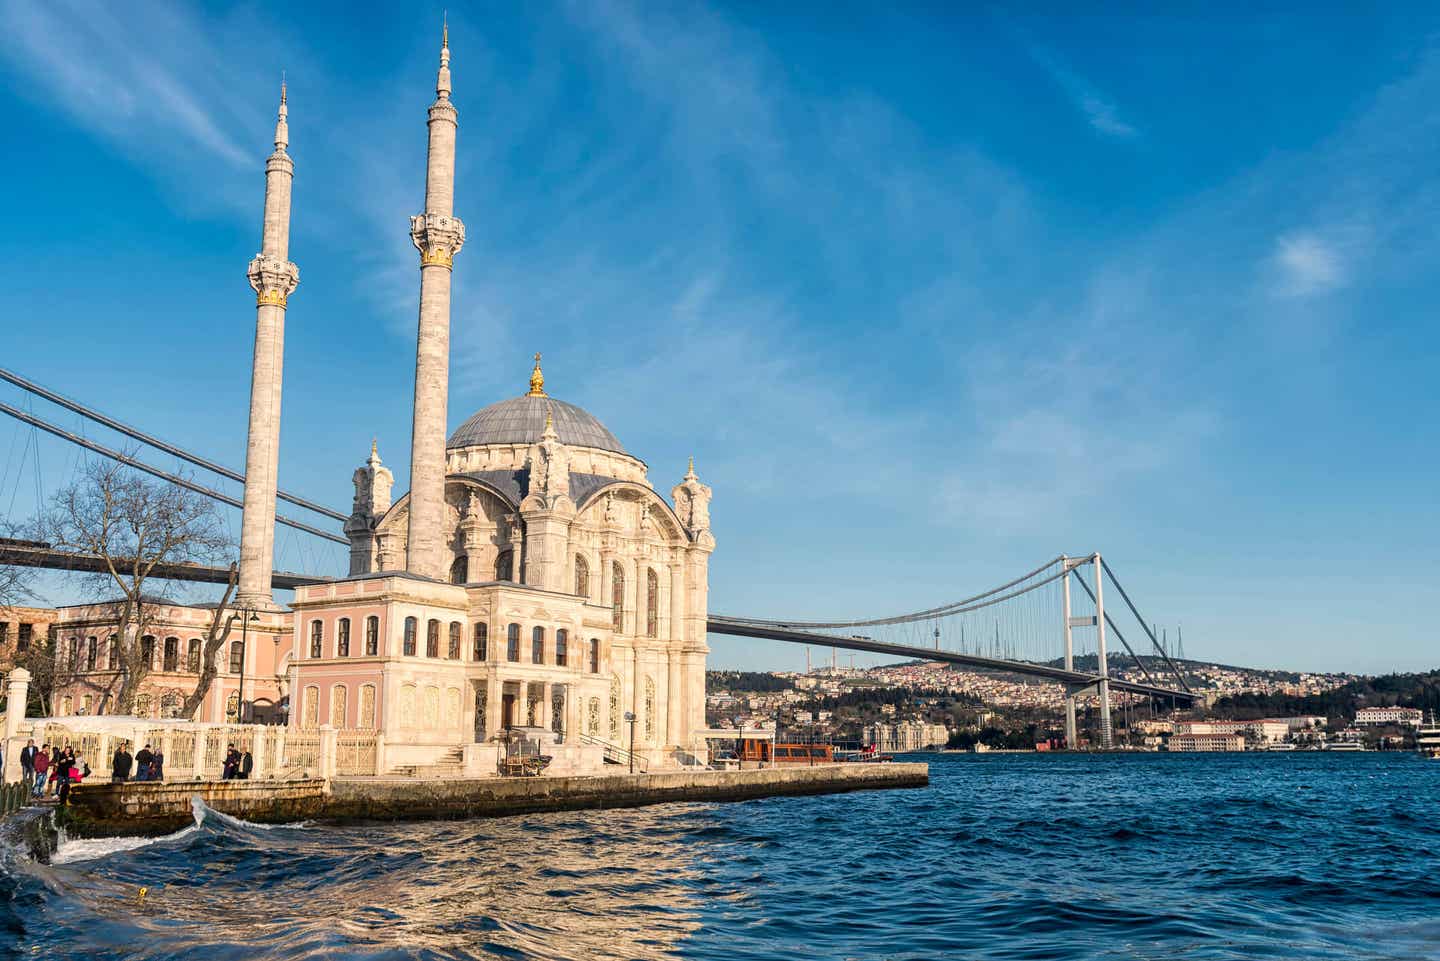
215 637
15 581
135 525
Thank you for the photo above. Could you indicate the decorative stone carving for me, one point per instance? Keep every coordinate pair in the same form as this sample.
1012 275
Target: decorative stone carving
549 464
438 238
273 280
692 502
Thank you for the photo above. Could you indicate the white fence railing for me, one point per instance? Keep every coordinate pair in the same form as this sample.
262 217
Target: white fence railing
198 751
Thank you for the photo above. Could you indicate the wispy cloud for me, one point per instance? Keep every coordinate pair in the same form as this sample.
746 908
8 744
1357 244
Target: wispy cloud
106 70
1306 265
1102 113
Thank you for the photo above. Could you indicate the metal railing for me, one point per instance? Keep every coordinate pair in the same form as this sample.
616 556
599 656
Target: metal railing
615 754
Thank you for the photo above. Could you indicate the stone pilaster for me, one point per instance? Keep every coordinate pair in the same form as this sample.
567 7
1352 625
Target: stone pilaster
438 235
274 279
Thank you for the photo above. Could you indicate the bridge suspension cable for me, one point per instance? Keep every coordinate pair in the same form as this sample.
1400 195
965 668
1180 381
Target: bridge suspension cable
157 472
153 441
975 603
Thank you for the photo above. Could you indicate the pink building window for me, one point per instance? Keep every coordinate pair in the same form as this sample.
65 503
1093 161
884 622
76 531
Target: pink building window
317 638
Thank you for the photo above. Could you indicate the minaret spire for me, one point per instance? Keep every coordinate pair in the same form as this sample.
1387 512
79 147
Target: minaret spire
274 279
438 235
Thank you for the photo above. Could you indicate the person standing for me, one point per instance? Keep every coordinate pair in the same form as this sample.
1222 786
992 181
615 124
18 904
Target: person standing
157 765
247 763
232 763
55 755
120 764
143 757
27 761
42 770
62 776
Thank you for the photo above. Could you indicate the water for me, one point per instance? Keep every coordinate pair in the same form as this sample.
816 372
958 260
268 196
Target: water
1294 856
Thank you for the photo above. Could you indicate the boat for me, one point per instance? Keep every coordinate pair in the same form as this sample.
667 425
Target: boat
1427 739
785 753
868 755
1343 746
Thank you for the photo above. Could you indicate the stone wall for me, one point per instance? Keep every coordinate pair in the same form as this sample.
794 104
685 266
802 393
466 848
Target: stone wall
102 810
387 800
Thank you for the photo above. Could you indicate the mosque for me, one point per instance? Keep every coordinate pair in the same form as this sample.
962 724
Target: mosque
531 578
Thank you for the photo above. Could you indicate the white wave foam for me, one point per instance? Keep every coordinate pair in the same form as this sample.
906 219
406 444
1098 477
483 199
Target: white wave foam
93 848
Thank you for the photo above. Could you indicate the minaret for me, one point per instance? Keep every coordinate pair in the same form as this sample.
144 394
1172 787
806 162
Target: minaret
274 279
438 236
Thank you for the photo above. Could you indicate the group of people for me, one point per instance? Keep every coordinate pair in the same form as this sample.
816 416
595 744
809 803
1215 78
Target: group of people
238 764
149 765
53 769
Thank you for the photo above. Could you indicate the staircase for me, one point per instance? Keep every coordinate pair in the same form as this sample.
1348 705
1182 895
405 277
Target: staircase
449 766
615 754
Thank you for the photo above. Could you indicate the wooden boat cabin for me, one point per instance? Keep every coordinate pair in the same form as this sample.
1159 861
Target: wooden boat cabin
760 751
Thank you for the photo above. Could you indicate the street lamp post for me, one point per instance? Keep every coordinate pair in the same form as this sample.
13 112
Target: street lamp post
630 719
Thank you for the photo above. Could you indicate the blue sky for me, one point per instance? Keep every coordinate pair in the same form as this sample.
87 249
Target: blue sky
931 294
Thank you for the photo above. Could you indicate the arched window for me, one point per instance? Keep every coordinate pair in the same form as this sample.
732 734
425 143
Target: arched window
171 661
309 708
92 652
237 657
432 638
317 638
454 652
505 566
582 576
512 642
170 704
338 696
74 661
411 625
112 649
594 655
562 638
192 656
342 637
147 650
617 597
460 570
367 706
652 604
537 645
482 642
372 636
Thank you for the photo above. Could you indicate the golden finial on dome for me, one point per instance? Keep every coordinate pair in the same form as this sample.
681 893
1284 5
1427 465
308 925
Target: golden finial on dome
537 380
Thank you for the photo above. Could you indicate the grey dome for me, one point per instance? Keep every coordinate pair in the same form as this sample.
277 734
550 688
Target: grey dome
521 420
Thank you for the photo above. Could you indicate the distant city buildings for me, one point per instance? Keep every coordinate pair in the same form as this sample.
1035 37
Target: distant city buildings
1208 742
906 736
1382 716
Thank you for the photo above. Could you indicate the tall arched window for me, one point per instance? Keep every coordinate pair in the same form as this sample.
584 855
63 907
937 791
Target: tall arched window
342 637
372 636
237 657
512 642
171 660
432 638
460 570
482 642
582 576
147 650
652 604
317 638
112 652
192 656
594 655
617 597
537 645
505 566
454 650
411 625
562 638
338 696
92 652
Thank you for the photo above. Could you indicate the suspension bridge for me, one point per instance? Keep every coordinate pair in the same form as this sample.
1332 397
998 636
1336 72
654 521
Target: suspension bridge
1041 625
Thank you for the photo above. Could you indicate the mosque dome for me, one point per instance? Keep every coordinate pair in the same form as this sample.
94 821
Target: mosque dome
521 420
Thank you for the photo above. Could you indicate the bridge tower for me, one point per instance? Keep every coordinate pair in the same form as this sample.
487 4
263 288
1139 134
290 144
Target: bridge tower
438 235
274 278
1102 686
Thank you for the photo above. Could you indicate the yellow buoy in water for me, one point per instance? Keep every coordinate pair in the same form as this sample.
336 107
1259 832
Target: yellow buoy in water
141 895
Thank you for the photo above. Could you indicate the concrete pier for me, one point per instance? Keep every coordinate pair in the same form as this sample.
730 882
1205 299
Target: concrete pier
99 810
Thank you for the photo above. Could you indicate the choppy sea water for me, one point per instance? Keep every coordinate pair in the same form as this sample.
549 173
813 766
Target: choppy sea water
1293 856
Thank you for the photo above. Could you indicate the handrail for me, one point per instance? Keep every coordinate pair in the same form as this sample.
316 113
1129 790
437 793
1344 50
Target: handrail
622 756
